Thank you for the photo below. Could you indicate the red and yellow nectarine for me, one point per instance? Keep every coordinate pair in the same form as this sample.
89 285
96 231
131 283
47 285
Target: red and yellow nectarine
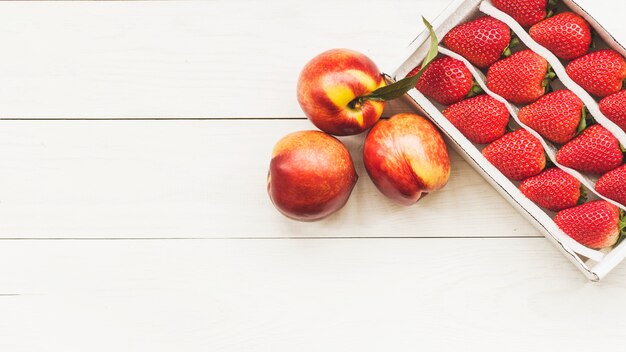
311 175
328 88
406 158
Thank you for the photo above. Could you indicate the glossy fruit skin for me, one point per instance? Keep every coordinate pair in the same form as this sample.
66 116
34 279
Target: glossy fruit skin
614 108
446 80
600 73
613 185
481 41
518 155
406 158
519 78
594 224
556 116
567 35
330 82
553 189
594 151
526 12
481 119
311 175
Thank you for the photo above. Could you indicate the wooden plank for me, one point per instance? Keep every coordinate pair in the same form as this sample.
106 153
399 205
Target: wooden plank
181 58
302 295
204 179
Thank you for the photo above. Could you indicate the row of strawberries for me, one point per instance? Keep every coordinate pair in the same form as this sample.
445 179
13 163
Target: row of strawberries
560 117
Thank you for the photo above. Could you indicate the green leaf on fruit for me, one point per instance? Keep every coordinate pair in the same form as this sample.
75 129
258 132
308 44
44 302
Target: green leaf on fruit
399 88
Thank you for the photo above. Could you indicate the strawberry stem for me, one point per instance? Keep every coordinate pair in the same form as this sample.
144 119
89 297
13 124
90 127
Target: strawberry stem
399 88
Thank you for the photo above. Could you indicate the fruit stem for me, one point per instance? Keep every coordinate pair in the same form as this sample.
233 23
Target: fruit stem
355 104
622 221
400 87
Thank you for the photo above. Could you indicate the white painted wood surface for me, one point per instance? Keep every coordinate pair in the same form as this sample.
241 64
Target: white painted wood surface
157 235
204 179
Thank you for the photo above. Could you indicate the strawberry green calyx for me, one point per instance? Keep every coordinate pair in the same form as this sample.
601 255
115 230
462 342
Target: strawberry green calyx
621 225
476 89
583 120
552 4
583 195
513 43
550 76
399 88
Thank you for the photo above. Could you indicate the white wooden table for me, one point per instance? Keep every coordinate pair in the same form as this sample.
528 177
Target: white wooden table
134 144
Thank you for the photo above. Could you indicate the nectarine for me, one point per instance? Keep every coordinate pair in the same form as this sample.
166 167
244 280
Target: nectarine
311 175
329 85
406 157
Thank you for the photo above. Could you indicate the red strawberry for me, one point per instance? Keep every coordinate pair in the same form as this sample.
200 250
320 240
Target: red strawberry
594 151
481 119
614 108
613 185
595 224
482 41
521 78
446 80
556 116
600 73
526 12
566 35
518 155
553 189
